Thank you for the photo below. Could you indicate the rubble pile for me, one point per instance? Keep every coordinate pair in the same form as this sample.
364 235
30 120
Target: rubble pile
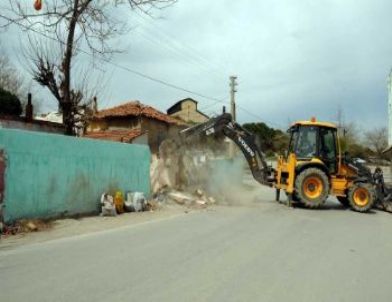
178 173
190 175
197 199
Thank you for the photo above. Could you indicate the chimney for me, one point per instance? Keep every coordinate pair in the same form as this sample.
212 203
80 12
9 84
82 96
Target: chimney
29 109
95 105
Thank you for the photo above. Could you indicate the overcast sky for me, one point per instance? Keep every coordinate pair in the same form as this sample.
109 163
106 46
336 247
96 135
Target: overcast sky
293 59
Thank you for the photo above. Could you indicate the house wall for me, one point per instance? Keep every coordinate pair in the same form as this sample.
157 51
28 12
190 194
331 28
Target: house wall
114 123
142 139
157 132
50 175
35 126
189 113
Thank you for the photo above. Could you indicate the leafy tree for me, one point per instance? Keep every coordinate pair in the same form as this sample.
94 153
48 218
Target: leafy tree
269 140
9 103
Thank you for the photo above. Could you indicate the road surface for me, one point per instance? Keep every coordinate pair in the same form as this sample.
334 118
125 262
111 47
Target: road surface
261 251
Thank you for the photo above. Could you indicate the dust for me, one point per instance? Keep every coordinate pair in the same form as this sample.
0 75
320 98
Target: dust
187 167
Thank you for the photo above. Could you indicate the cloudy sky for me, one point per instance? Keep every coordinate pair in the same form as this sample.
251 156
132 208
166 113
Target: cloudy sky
293 59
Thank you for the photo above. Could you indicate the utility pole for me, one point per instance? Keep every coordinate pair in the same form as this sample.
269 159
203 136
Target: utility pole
233 90
233 84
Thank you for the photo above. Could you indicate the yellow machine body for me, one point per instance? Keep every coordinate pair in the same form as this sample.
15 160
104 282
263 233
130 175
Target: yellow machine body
287 167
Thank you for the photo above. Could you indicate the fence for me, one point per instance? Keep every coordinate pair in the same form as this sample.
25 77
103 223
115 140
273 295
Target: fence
48 175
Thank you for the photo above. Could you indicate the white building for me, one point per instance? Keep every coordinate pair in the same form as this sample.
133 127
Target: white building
390 109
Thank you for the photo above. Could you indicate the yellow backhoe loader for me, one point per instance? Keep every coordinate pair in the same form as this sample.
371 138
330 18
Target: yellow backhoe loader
312 169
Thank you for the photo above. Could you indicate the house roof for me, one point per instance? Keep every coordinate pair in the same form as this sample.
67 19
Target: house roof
125 135
175 107
135 108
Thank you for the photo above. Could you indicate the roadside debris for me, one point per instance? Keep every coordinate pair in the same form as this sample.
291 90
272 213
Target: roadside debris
135 202
107 205
198 199
119 202
26 226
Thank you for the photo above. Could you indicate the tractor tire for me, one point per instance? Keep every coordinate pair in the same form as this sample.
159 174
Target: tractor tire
343 201
312 187
362 197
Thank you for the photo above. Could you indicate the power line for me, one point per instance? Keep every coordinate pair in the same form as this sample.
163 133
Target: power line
175 43
138 73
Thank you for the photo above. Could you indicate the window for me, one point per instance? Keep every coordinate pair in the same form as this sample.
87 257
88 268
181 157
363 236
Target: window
306 146
327 144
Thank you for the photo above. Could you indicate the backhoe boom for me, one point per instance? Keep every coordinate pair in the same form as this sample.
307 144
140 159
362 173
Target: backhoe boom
224 124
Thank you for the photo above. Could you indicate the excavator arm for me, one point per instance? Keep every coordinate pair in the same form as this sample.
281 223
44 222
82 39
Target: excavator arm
224 124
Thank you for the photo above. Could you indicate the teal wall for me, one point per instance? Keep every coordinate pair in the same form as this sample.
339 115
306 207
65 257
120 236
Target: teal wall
50 175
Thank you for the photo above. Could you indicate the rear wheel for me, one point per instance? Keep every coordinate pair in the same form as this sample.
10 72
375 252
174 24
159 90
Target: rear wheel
361 197
312 187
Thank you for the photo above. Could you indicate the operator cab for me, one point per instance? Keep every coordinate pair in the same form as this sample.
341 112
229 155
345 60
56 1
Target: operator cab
314 140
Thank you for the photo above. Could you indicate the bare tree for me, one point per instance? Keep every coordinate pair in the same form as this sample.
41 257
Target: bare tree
73 24
377 140
10 79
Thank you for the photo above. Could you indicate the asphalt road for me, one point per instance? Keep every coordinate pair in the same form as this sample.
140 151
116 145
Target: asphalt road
262 251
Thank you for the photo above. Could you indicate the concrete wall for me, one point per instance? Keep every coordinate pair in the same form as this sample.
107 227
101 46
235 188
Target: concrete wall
41 126
50 175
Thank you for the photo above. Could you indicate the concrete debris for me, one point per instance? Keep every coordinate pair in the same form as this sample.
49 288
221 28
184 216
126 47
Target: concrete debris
201 202
152 205
31 226
199 193
181 198
184 198
211 200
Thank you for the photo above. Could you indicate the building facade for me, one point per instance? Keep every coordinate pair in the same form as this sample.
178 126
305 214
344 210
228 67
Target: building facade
186 111
390 109
134 122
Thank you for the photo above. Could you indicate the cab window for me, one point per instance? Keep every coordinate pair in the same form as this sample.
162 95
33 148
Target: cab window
327 144
306 146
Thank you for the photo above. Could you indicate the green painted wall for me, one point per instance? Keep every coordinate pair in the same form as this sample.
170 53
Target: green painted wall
51 175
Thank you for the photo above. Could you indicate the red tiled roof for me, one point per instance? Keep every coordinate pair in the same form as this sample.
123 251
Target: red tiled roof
115 135
135 109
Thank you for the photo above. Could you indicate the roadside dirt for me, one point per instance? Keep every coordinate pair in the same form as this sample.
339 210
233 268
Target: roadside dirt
73 227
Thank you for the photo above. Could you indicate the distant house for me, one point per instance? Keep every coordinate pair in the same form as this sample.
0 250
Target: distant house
186 110
28 122
133 122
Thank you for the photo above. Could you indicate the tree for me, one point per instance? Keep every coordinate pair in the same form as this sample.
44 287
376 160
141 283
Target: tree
10 79
71 24
270 140
9 103
377 140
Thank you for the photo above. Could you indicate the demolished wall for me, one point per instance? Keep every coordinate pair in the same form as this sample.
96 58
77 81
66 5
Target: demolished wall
186 166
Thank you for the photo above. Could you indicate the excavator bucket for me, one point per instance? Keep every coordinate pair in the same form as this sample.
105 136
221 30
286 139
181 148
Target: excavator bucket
383 191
